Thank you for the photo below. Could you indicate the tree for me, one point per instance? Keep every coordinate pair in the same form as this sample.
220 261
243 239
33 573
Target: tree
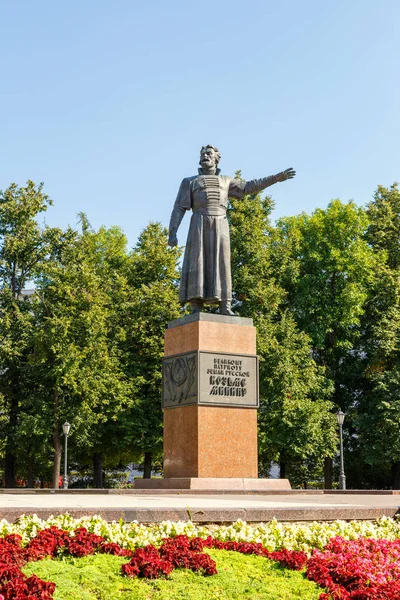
24 247
111 441
384 228
378 415
295 420
328 268
74 356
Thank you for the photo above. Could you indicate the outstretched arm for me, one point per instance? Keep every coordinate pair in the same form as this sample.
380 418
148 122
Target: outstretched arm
257 185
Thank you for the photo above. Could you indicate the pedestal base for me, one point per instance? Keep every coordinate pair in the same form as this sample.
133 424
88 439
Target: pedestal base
210 442
247 484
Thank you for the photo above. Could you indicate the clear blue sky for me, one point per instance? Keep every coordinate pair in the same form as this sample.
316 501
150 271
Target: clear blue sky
109 103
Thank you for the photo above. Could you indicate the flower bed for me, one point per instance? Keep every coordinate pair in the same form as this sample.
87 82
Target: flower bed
150 562
360 567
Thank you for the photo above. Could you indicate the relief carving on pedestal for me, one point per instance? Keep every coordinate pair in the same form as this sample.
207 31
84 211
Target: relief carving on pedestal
180 381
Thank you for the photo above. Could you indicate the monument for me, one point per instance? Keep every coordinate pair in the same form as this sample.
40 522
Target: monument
206 271
210 369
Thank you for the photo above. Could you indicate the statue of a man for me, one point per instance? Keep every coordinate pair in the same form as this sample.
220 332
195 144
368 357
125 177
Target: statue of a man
206 271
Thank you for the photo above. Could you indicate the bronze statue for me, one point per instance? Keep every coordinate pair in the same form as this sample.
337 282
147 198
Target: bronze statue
206 270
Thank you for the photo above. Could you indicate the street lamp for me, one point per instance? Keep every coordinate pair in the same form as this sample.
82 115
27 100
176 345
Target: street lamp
66 427
342 477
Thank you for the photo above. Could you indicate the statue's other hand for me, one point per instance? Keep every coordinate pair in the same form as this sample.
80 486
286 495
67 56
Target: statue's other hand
286 174
172 240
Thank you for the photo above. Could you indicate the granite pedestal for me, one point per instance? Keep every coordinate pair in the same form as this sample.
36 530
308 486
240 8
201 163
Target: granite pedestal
210 400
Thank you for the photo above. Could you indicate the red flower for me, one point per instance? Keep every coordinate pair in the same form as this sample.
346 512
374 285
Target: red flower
131 569
174 553
115 549
13 538
363 569
289 558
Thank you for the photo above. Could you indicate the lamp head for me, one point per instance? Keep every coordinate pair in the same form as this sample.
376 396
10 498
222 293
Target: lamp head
66 427
340 415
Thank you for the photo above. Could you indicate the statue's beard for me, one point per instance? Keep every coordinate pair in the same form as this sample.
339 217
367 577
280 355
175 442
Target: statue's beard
208 168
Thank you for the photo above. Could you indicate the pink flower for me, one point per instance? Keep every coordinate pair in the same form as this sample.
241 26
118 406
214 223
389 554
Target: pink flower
363 569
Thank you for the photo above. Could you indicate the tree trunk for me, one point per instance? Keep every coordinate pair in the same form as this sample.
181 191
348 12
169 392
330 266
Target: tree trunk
282 469
328 471
9 457
56 442
9 470
97 471
147 465
31 478
57 458
396 476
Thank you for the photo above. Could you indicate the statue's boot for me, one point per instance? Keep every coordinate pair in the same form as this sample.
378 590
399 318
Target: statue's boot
196 306
225 308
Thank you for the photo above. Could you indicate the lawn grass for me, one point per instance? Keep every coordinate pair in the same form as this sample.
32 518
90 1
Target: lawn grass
239 577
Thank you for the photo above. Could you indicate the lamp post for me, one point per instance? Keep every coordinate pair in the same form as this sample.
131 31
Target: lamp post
342 477
66 427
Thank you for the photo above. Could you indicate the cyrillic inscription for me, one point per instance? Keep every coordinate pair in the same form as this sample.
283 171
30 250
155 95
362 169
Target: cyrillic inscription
228 379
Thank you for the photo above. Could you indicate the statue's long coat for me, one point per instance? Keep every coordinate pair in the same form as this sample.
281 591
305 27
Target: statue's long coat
206 270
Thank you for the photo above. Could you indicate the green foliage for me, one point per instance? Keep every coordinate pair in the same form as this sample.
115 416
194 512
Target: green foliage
330 270
295 423
252 577
384 228
24 244
256 291
378 415
327 267
86 346
74 356
24 249
152 302
295 419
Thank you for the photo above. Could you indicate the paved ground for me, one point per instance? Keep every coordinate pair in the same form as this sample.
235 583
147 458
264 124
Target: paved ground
202 507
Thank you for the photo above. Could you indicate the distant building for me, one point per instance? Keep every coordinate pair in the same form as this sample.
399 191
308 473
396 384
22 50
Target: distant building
27 293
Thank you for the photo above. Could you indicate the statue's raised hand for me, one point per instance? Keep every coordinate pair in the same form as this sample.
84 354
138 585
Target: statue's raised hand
286 174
